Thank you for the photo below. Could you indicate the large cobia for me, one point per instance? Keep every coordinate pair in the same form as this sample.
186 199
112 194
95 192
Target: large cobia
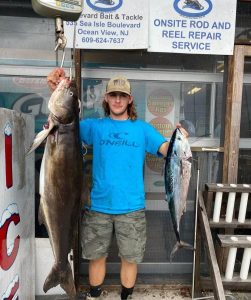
177 177
61 181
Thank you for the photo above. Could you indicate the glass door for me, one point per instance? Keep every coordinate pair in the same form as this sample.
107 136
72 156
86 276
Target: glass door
193 99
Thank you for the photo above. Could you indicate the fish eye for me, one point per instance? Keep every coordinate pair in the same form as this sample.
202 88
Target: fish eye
71 93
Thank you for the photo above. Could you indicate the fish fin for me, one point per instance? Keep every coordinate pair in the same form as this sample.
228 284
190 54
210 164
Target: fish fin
175 248
52 280
40 137
178 245
67 284
64 278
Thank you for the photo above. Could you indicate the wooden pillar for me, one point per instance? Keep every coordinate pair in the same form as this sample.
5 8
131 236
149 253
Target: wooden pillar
232 129
232 124
233 114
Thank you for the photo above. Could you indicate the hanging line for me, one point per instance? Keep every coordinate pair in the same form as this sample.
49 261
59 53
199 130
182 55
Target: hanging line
73 51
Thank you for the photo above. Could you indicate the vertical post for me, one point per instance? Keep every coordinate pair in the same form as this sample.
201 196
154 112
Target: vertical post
231 261
217 206
196 263
216 218
243 207
233 114
245 264
230 205
197 286
78 62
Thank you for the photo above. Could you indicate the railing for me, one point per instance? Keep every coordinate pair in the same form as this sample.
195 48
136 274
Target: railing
222 212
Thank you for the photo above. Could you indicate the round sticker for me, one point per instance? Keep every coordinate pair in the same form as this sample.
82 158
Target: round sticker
154 163
164 126
160 102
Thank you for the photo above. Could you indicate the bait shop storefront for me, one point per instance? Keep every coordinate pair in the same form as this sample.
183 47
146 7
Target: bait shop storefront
188 62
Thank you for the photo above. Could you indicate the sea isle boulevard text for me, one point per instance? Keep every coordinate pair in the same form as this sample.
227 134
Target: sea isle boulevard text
107 28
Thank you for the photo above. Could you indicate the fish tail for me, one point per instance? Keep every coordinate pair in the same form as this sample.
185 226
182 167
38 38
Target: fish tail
180 244
64 278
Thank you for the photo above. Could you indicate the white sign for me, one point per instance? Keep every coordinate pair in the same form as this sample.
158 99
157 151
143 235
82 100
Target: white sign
17 237
192 26
110 24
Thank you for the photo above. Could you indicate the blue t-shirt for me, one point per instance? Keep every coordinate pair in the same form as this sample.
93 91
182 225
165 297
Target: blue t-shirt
118 158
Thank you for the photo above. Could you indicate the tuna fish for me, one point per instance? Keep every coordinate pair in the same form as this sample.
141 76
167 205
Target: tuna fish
177 177
61 181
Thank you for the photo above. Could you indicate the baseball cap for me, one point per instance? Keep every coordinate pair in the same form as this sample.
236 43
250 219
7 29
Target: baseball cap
118 84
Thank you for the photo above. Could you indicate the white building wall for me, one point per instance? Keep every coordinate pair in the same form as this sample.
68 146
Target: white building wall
17 247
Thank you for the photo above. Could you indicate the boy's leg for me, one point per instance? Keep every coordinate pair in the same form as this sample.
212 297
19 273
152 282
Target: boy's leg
96 235
130 230
97 268
128 273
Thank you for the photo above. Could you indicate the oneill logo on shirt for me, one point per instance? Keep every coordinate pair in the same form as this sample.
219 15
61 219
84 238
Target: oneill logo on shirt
118 139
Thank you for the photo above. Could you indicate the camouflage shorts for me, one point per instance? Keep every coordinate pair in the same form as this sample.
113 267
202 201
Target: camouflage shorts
97 231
